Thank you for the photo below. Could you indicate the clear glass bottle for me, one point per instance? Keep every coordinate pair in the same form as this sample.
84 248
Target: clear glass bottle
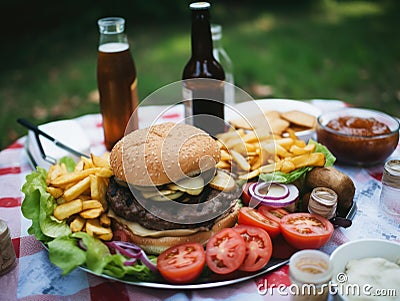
390 193
203 76
116 80
223 58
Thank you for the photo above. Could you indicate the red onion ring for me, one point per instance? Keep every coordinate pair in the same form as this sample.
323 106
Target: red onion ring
284 201
270 194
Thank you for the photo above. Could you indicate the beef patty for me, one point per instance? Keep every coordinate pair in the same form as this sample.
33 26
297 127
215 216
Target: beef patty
125 205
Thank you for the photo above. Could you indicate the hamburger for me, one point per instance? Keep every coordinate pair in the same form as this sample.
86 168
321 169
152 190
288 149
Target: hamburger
166 189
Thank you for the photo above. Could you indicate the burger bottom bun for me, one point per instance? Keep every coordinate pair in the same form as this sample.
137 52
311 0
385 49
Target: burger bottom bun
157 245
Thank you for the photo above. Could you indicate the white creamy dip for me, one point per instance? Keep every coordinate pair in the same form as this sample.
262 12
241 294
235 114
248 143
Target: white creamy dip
377 279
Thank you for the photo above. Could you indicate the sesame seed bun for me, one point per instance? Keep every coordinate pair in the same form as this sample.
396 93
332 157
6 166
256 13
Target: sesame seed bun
162 154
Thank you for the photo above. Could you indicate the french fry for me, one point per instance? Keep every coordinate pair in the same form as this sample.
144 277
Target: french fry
223 165
77 189
104 172
282 152
313 159
250 137
53 172
91 204
87 163
93 226
91 213
67 209
225 156
250 175
79 166
287 166
100 161
98 188
297 150
240 160
73 177
271 167
285 142
77 224
105 221
54 191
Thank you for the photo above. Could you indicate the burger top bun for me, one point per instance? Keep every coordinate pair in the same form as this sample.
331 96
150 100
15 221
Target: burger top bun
162 154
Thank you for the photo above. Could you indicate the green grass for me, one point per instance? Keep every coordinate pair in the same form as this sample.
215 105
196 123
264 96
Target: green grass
346 50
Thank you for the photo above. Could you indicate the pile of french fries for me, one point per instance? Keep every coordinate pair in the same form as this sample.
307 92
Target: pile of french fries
81 195
249 153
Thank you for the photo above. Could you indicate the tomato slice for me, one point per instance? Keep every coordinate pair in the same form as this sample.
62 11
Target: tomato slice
246 196
306 231
225 251
182 263
272 213
250 216
258 247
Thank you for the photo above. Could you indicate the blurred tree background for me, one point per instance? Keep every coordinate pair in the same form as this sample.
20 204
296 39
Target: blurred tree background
298 49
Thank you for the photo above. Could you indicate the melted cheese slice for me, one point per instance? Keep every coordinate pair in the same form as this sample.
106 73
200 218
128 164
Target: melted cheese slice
137 229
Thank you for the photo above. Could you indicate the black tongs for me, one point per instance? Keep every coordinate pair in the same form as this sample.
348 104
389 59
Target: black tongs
38 132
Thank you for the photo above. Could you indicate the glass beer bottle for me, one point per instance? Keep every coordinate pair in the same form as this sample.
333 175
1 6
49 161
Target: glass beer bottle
116 80
223 58
203 77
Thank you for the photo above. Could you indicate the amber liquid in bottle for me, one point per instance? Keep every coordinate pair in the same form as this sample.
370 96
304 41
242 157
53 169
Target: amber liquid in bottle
117 84
207 96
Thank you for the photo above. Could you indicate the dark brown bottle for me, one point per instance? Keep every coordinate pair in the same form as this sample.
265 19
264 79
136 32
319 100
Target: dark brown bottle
203 77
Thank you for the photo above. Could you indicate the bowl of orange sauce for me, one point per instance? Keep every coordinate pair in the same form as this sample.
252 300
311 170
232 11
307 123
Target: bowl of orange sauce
358 136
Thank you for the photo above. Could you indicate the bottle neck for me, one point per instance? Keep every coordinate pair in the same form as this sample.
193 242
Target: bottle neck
202 45
113 38
112 30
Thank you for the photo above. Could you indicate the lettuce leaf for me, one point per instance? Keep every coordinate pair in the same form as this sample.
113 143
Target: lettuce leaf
69 163
286 178
38 206
66 253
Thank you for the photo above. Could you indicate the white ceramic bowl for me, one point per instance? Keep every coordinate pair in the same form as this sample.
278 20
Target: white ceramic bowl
256 107
359 249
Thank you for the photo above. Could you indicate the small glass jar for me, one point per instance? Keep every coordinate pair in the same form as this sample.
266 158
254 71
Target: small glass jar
310 272
323 201
7 252
390 194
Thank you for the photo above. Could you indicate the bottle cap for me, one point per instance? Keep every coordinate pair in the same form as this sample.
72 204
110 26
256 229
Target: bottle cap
199 5
111 25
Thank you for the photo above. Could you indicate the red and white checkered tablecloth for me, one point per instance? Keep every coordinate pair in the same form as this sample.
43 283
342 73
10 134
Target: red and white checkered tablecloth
35 278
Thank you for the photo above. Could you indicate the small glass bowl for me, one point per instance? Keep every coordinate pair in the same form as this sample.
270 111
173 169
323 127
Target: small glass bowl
356 149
